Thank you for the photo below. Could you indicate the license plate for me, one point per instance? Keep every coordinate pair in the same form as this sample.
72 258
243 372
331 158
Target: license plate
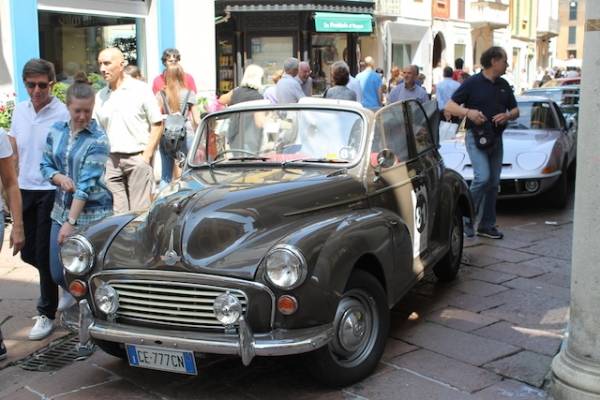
163 359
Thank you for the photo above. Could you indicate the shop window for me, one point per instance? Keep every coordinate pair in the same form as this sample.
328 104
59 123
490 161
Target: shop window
72 41
326 49
270 52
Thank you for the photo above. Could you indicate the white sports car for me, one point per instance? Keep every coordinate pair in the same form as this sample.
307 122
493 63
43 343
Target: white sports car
539 149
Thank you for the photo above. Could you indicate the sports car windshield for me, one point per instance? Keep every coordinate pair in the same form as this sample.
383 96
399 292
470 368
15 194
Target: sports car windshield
282 136
534 115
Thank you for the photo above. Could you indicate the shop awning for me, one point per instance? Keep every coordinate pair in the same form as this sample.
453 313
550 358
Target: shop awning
338 22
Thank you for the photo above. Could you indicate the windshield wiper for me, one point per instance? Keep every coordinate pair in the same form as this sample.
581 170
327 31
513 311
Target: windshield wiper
315 160
254 158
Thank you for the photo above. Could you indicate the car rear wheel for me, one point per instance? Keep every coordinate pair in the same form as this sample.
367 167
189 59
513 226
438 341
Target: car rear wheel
361 327
447 268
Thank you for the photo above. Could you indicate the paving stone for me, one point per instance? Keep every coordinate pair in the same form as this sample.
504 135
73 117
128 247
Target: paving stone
440 368
462 346
114 390
479 288
485 275
525 366
404 384
540 341
395 348
551 264
530 309
503 254
559 247
524 269
470 257
512 390
535 286
70 378
471 302
22 394
556 278
461 320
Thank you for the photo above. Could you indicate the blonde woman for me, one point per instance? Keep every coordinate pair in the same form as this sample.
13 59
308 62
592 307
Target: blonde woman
176 98
249 88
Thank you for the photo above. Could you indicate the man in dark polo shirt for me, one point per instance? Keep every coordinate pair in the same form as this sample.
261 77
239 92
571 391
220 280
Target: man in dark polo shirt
485 98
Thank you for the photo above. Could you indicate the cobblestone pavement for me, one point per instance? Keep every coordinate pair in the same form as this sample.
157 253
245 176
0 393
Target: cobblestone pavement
491 334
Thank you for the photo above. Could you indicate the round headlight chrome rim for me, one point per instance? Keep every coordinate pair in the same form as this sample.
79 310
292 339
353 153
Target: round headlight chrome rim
87 247
295 252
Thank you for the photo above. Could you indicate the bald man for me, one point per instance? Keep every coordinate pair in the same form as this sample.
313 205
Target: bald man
128 111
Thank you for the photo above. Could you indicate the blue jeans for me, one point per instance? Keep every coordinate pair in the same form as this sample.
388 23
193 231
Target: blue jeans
487 166
56 267
166 166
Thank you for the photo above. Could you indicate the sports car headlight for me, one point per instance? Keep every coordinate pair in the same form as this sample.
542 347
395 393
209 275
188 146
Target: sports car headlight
286 267
77 255
531 160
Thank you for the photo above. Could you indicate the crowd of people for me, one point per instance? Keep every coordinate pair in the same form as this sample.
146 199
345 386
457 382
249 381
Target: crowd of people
95 152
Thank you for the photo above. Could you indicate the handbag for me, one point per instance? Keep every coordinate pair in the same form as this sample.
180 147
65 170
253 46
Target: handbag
447 130
485 135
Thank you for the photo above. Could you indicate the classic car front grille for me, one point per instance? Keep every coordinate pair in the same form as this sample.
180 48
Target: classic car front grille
171 303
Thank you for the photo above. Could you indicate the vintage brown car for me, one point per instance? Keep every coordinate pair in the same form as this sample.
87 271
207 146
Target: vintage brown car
294 229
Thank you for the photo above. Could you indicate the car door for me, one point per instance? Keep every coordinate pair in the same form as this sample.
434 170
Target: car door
399 186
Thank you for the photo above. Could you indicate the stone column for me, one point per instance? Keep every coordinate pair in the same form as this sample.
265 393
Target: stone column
576 369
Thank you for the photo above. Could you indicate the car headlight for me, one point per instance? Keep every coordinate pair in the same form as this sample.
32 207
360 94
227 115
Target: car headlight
107 299
77 255
286 267
531 160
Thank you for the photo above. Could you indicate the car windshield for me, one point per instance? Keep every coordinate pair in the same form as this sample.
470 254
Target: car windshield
534 115
293 135
554 95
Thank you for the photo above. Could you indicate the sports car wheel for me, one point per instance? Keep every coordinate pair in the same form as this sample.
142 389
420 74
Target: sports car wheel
447 268
361 326
559 194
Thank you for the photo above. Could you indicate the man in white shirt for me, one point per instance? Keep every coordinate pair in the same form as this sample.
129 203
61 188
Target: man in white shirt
31 122
129 113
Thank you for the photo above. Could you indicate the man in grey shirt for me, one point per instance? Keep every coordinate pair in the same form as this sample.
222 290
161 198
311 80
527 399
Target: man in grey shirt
408 89
304 78
288 89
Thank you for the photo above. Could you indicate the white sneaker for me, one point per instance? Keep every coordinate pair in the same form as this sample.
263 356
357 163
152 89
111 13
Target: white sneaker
42 328
66 301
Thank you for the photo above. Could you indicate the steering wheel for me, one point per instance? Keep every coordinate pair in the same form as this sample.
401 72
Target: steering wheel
219 154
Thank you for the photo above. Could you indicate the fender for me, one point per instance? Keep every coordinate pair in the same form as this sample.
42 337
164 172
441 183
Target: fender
333 245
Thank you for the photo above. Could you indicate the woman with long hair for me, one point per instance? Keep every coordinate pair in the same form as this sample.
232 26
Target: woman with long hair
176 98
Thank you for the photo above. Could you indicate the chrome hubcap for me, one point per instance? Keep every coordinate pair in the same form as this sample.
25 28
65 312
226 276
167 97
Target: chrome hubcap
352 328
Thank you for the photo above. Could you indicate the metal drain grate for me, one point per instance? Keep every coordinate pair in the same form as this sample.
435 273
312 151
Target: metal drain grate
54 357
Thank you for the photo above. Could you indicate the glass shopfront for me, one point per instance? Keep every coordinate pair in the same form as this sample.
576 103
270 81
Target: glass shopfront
72 41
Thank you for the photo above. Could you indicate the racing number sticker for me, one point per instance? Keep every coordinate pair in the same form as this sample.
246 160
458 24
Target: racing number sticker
419 202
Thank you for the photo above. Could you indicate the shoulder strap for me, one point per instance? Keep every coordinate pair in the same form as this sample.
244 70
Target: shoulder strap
185 107
165 102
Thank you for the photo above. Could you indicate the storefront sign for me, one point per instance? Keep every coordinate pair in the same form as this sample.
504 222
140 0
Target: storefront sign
337 22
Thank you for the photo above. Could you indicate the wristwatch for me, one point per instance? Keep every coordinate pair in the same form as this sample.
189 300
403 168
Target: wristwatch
72 221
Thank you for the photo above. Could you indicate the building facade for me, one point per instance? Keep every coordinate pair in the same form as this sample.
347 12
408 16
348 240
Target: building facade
547 31
572 27
522 53
266 32
70 33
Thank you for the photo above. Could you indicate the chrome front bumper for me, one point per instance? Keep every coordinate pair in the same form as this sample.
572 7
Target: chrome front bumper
278 342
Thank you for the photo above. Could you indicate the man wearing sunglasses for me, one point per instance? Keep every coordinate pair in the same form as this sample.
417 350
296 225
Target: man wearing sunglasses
31 122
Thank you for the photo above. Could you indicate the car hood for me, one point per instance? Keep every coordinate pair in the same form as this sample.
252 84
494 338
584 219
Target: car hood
515 143
223 221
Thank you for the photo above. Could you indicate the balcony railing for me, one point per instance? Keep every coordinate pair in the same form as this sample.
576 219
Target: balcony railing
388 7
492 13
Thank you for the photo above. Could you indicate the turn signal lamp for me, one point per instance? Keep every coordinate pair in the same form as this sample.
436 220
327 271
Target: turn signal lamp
78 288
287 305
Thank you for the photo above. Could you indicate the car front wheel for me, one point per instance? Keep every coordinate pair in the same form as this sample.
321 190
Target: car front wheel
361 327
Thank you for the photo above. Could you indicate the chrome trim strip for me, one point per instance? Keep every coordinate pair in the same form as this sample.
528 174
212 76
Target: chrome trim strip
189 276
